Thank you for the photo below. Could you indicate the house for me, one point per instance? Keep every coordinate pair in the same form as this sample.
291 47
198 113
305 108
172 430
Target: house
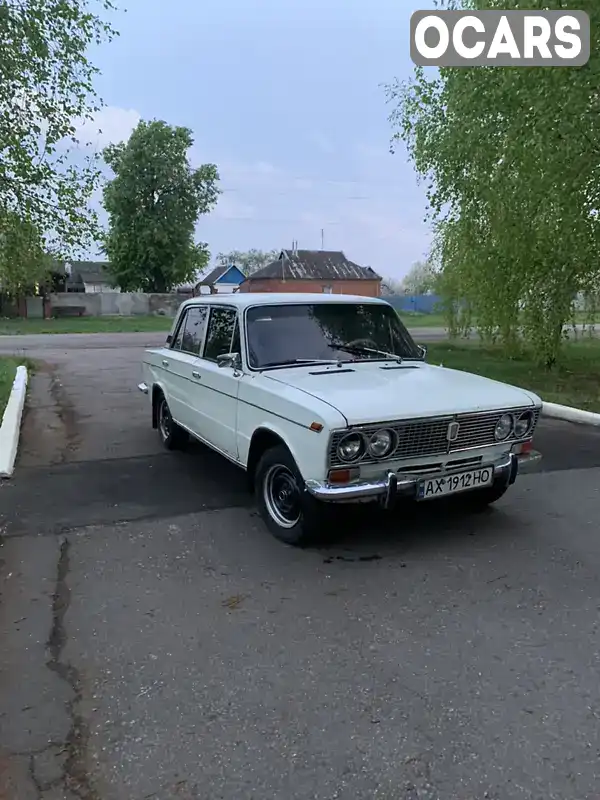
314 271
222 280
93 274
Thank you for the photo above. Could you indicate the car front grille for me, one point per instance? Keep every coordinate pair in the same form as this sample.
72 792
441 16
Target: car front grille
428 437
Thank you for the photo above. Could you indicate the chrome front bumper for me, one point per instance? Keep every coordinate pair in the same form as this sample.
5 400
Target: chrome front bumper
143 387
387 488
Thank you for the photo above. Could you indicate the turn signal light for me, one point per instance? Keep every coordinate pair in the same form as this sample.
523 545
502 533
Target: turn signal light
342 475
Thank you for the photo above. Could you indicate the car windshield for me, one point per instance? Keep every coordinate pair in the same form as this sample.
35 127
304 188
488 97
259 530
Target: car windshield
298 333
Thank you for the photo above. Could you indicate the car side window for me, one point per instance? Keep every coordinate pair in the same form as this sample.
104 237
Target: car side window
220 338
191 331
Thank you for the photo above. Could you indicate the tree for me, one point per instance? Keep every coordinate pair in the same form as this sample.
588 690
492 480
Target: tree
511 161
391 286
421 278
45 90
153 204
23 258
249 261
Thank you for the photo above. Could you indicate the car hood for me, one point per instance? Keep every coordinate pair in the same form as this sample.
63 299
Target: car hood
366 392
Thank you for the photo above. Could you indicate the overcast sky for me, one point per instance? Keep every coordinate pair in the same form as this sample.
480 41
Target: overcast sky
286 97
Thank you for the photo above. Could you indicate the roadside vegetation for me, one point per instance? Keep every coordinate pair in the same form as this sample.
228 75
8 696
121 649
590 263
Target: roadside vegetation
508 160
117 324
573 381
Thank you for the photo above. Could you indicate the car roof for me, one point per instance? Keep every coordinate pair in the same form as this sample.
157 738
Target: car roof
246 299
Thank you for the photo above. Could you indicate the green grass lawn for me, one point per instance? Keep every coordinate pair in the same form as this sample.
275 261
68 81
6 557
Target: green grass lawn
575 381
8 370
414 320
135 324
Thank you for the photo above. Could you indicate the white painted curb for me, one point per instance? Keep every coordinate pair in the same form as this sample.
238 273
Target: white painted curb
11 424
570 414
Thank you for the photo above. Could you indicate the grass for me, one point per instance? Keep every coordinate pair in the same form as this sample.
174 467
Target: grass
574 381
8 370
137 324
417 320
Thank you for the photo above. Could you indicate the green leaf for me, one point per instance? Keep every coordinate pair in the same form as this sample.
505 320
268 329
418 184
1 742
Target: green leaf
153 203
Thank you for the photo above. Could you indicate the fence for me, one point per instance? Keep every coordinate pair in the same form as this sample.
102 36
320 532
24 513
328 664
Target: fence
416 303
125 304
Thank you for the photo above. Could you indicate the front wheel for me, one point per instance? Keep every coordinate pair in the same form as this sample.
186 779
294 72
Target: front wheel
289 512
480 499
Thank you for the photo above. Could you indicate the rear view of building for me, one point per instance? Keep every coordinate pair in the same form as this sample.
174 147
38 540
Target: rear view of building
326 271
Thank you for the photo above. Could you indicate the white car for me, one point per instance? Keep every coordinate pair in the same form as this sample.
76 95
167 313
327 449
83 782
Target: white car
326 399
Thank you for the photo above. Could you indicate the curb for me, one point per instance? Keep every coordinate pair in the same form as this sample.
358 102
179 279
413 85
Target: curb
10 428
577 415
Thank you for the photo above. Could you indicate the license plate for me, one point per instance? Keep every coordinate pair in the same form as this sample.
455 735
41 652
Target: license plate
452 484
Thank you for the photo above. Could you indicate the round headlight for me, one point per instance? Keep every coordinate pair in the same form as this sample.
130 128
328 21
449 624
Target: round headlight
350 447
381 443
504 427
524 424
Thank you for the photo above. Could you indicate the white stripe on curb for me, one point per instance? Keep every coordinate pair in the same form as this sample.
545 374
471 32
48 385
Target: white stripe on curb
11 423
570 414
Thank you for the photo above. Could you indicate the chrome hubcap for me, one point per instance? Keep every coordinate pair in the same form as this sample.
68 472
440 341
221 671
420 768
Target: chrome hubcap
282 496
164 420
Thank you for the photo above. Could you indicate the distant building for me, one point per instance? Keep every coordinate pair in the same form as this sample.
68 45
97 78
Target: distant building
86 276
221 280
326 271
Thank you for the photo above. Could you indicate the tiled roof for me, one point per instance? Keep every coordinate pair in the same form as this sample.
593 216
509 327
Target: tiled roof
328 265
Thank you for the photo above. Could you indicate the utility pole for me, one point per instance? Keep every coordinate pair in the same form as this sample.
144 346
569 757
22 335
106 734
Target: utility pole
322 238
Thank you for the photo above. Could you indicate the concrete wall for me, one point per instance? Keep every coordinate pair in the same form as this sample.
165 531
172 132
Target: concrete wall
365 288
126 304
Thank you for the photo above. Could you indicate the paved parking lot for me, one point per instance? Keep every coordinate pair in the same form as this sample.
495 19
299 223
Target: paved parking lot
157 643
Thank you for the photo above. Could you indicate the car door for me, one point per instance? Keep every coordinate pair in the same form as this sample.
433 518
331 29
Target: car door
221 384
181 364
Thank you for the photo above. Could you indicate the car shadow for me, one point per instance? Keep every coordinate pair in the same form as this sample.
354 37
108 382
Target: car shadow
366 532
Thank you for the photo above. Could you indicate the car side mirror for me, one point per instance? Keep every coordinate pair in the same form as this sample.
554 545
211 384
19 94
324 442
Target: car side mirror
232 360
169 339
422 351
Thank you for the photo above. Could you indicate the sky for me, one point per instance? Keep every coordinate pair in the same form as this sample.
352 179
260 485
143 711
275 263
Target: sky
287 98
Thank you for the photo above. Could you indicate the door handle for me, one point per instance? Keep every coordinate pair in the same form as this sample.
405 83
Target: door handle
196 375
165 362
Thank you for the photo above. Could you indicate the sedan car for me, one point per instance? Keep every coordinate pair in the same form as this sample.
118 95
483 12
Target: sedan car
327 399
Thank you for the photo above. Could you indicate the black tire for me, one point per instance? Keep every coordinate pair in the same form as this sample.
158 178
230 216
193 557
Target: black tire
480 499
288 511
171 435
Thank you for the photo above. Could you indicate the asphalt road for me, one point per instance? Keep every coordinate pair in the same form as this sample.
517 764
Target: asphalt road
157 643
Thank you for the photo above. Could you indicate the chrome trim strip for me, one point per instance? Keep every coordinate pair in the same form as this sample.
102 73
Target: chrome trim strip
382 487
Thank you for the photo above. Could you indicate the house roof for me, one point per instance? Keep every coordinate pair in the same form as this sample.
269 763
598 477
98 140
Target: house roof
91 271
328 265
216 273
212 276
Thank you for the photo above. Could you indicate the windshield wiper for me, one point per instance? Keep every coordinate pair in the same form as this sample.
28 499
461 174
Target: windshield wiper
301 362
357 349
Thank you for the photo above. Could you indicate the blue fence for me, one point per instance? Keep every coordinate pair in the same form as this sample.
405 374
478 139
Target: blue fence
416 303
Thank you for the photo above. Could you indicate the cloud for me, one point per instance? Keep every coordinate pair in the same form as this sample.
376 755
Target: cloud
110 125
373 211
321 142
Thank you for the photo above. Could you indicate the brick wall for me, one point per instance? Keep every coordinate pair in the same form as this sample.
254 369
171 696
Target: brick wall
363 288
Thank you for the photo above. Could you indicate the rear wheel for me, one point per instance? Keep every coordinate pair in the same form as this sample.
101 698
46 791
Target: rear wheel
171 435
289 512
